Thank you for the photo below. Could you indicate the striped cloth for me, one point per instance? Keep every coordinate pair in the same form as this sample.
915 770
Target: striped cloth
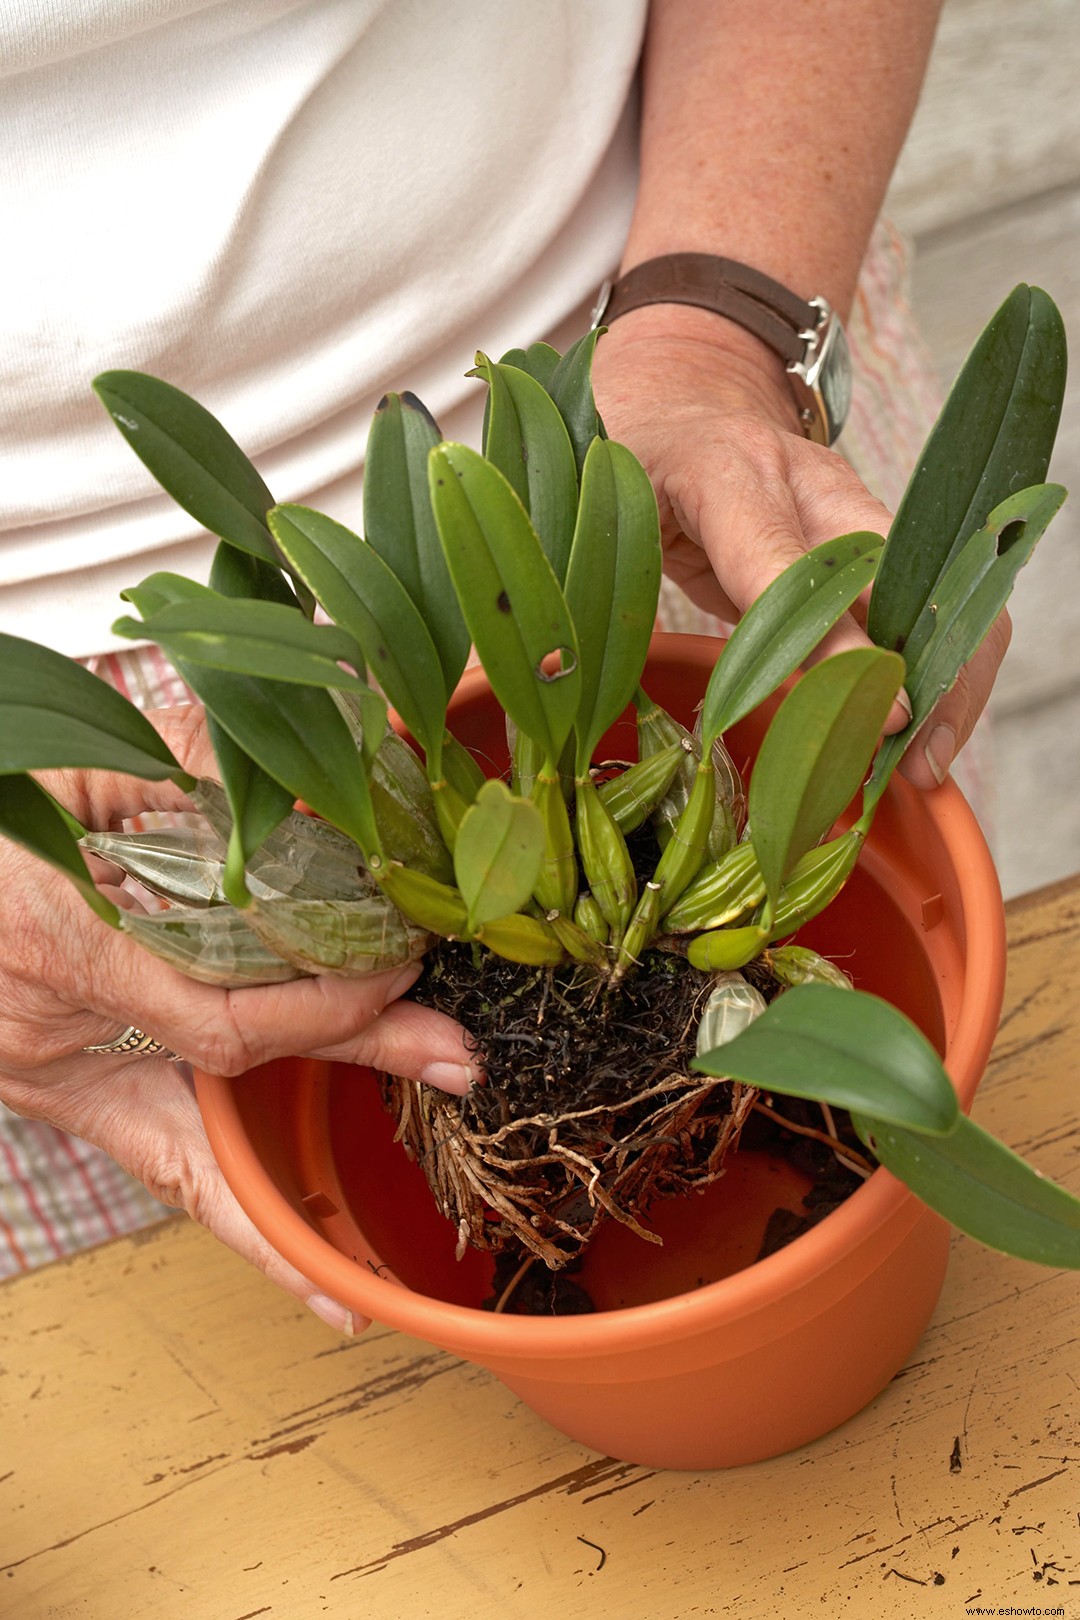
57 1195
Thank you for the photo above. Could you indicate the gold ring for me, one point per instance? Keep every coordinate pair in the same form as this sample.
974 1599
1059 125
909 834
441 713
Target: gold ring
133 1042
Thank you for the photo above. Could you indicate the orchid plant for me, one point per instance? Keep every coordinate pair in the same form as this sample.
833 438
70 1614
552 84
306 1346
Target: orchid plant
543 553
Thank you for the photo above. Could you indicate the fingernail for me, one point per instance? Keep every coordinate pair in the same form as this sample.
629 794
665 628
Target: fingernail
940 751
332 1313
905 702
457 1078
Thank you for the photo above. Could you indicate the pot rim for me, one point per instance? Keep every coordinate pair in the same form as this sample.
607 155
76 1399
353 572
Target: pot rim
483 1335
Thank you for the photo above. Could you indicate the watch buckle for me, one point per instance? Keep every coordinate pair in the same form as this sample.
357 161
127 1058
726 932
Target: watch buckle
824 342
600 307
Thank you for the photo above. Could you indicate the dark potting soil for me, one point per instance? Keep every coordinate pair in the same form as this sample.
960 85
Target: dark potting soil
555 1042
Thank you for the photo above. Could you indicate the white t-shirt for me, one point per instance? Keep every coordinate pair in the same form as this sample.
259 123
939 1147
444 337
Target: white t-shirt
285 209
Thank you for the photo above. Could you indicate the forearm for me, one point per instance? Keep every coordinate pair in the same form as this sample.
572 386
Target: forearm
770 131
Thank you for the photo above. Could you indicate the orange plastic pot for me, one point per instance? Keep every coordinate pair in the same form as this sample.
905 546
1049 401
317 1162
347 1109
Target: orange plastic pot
697 1356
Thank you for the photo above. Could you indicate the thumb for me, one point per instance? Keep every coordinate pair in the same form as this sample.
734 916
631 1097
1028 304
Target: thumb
952 719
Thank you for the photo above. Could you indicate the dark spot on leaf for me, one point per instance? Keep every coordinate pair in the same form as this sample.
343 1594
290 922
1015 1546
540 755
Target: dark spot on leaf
1010 536
383 405
408 398
830 562
502 602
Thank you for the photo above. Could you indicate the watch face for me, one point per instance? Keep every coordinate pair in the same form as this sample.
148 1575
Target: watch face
834 379
822 384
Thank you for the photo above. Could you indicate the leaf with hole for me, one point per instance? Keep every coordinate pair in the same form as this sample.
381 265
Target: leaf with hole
993 437
970 595
512 602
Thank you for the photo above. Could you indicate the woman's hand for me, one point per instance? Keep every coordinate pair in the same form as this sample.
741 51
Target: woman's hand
68 981
709 412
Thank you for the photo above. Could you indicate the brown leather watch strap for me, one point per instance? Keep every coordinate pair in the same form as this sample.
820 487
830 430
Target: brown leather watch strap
742 294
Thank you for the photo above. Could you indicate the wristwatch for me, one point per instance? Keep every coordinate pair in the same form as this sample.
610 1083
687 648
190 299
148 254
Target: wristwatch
805 333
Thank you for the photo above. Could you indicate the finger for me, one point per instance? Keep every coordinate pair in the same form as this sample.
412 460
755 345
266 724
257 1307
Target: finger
77 980
67 980
952 720
103 799
830 496
416 1043
758 529
146 1117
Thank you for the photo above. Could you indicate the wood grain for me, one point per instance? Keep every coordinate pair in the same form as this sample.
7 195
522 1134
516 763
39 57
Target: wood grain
182 1442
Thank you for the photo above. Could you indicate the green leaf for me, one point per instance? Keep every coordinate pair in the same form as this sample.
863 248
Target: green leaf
983 1188
258 804
363 595
844 1048
526 438
722 950
257 801
540 360
298 737
55 714
29 817
192 457
969 597
993 437
612 587
238 573
571 389
400 526
816 753
512 602
249 638
784 625
156 591
497 856
605 860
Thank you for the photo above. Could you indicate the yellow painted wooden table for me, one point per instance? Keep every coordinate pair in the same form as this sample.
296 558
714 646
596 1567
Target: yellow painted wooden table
180 1441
